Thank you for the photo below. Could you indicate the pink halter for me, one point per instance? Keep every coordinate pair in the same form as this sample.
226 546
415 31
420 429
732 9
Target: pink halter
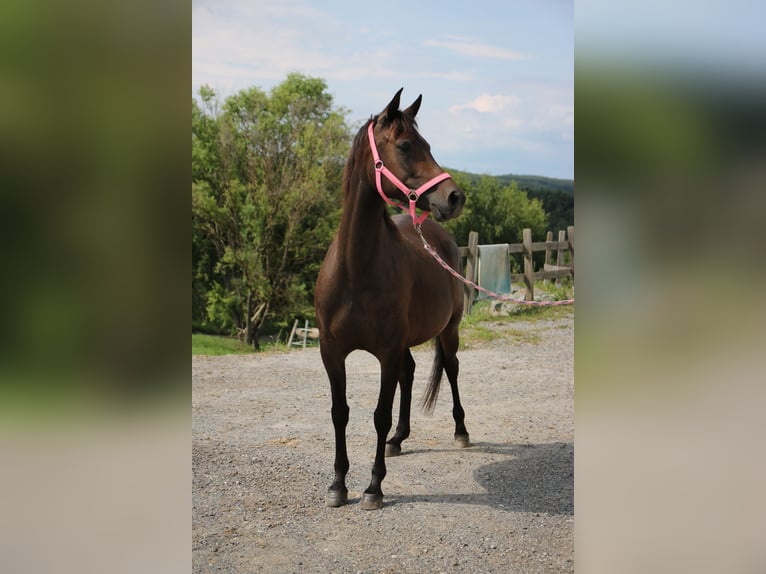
411 194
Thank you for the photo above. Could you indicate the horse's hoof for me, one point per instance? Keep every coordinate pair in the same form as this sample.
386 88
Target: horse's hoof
393 450
461 441
336 498
372 501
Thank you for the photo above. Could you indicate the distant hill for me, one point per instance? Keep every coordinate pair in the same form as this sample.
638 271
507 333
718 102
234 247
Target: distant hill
556 195
539 183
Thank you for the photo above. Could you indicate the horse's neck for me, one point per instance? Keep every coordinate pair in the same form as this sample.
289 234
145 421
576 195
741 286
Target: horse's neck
365 227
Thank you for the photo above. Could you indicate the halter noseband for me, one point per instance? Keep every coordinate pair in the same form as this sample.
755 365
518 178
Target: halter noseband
411 194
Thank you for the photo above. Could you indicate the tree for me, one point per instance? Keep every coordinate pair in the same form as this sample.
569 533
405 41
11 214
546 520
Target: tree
266 178
497 212
559 205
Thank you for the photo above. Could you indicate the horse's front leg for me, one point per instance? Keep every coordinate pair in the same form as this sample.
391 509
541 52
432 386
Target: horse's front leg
406 376
337 494
389 370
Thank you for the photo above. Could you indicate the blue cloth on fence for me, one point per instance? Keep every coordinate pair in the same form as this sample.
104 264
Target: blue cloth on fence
494 269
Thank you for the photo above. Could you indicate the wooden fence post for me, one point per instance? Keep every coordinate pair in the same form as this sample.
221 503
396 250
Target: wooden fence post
529 280
548 237
560 254
470 270
292 334
570 234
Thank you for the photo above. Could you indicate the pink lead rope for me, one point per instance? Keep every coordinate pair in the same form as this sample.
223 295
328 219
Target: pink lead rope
411 194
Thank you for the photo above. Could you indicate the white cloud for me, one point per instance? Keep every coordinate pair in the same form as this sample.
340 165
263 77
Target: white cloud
486 103
561 112
470 47
236 44
531 118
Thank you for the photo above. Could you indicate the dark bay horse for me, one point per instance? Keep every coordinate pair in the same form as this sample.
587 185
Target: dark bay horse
379 290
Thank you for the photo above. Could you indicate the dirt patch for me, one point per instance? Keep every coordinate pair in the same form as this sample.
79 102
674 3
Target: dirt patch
263 452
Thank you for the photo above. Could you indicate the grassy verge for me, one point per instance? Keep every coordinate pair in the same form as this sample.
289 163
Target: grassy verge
216 345
481 326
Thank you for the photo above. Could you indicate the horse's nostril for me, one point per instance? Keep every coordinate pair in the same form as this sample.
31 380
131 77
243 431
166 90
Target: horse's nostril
456 199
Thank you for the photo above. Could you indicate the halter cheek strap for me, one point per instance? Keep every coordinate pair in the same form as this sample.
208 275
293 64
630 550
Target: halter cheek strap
411 194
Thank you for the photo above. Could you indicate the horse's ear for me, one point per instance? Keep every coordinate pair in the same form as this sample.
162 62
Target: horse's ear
393 107
412 111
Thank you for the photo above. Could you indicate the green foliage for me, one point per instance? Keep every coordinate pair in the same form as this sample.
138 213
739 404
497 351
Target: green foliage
556 196
266 179
559 206
539 183
557 292
497 212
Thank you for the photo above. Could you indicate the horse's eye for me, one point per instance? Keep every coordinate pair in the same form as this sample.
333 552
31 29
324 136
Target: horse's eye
403 146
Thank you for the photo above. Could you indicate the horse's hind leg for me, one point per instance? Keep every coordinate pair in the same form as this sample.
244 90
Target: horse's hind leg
337 494
406 376
449 341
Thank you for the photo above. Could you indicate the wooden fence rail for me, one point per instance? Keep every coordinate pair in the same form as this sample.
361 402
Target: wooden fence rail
565 244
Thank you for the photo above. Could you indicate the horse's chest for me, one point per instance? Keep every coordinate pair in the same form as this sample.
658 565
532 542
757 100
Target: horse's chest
363 307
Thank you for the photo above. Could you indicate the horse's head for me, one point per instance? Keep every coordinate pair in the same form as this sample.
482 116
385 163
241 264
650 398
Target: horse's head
407 156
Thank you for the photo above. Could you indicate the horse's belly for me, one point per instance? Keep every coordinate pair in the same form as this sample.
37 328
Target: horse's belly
427 318
371 323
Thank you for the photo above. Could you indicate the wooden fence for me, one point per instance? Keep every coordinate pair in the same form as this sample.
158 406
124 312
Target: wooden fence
565 244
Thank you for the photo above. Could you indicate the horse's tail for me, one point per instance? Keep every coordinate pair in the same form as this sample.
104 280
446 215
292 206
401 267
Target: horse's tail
428 402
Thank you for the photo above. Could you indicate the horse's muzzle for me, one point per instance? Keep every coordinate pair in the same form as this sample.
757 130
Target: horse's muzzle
456 200
447 206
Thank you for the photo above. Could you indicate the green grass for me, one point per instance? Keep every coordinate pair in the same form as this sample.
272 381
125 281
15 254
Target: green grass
216 345
482 327
534 313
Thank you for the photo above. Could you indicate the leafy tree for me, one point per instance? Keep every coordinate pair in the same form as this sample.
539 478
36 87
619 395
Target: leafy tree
559 206
497 212
266 179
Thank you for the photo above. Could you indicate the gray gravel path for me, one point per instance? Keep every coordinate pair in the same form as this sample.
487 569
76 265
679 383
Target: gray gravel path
263 453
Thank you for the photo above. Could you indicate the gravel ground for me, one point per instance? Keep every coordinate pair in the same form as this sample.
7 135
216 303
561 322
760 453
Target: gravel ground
263 454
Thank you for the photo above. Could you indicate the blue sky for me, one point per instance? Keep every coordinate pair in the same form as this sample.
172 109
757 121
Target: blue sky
497 78
713 35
